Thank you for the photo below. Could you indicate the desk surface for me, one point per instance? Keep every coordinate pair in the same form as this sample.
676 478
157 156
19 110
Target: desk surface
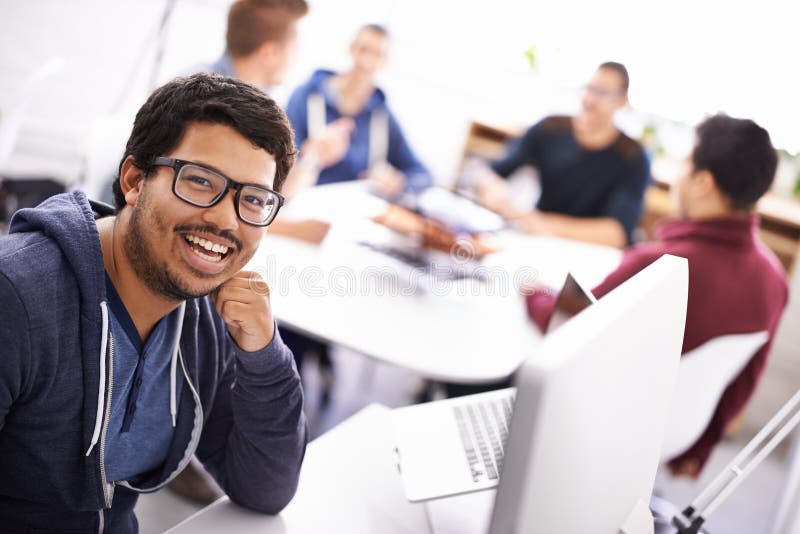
348 483
466 331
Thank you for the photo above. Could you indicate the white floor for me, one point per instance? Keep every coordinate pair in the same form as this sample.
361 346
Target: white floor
360 381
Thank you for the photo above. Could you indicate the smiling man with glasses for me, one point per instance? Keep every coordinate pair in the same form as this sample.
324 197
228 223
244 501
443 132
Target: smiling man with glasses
132 338
592 175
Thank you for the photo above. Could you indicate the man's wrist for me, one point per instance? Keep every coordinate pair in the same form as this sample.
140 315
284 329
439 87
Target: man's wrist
265 358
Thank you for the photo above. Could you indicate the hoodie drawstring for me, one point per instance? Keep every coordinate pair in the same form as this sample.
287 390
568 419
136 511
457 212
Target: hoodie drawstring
173 404
101 390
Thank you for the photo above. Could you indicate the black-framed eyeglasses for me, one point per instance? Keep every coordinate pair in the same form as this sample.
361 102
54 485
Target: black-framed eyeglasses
203 187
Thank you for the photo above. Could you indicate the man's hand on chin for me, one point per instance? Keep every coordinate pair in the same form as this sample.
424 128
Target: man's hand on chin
243 303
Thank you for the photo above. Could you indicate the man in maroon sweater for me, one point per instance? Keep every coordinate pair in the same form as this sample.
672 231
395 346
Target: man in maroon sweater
736 285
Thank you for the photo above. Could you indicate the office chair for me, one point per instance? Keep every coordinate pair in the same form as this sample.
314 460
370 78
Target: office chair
703 376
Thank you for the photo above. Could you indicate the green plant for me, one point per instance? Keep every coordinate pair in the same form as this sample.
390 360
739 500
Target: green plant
530 55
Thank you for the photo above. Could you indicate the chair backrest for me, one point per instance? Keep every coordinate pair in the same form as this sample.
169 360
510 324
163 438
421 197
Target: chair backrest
703 376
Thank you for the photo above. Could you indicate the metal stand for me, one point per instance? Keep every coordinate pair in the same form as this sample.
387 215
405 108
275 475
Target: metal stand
691 519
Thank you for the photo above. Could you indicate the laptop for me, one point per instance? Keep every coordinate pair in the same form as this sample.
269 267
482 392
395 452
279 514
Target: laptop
574 447
572 299
477 425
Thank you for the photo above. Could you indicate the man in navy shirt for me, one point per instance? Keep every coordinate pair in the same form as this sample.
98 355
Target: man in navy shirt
592 175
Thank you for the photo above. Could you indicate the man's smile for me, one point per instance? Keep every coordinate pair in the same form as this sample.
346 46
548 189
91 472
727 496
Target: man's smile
209 248
207 255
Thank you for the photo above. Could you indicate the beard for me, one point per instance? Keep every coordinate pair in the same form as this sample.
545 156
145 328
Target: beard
159 278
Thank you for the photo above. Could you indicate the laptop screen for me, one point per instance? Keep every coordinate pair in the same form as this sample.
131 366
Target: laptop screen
572 300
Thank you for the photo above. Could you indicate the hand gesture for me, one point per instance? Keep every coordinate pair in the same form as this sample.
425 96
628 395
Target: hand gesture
385 180
330 146
243 303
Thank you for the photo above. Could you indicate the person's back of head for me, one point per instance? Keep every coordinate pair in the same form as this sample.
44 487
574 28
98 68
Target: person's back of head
251 23
260 38
739 155
207 98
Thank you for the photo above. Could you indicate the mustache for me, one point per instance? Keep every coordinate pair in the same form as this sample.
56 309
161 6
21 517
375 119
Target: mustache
210 229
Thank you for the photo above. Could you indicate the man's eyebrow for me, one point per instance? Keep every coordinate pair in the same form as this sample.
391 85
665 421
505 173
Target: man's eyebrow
208 166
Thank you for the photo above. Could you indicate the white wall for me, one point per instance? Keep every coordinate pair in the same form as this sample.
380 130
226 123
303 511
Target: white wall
451 61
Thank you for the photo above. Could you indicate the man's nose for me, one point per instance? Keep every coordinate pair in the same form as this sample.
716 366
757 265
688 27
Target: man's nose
223 214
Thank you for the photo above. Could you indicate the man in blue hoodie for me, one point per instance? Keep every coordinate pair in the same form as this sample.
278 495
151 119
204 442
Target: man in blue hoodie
131 339
378 149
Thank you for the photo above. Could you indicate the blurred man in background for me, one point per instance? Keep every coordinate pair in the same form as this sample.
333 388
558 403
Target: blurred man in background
592 175
378 149
260 40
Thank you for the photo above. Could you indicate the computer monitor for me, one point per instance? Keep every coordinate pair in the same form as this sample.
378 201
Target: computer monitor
591 409
583 441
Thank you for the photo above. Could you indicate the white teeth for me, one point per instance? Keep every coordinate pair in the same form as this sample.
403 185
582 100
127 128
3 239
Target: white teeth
206 256
208 245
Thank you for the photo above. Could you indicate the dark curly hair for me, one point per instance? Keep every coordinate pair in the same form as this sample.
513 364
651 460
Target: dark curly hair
162 120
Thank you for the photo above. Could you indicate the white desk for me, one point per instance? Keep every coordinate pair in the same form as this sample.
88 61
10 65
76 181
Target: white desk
348 483
467 331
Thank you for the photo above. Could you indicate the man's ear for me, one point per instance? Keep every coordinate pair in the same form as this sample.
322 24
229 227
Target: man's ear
622 101
704 183
131 179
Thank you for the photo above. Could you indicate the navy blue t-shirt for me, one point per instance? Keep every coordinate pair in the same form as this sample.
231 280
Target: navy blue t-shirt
579 182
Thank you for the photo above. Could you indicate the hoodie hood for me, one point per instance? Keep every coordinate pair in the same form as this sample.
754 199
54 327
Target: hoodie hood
318 83
69 219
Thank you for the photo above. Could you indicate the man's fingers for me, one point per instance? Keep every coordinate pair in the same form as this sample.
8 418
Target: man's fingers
250 280
243 303
234 312
239 294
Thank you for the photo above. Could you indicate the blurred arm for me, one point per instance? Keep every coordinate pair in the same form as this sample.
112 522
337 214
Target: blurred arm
600 230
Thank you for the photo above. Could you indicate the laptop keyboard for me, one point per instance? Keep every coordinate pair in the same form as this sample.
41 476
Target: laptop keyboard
483 427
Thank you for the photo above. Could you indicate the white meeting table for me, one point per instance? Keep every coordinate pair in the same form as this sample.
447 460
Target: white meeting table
468 331
348 483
